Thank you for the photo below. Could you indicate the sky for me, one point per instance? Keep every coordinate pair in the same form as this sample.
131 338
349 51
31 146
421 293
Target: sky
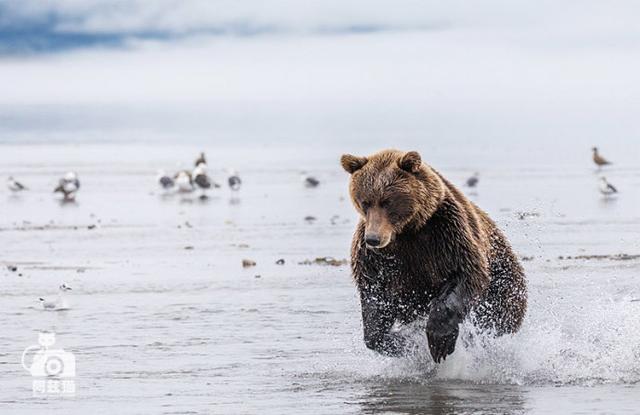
55 25
498 69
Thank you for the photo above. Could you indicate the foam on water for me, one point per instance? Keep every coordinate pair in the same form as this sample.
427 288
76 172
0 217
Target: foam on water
590 345
569 340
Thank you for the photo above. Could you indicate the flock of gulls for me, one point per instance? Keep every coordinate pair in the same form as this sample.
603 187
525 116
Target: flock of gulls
606 188
187 181
198 179
68 186
184 181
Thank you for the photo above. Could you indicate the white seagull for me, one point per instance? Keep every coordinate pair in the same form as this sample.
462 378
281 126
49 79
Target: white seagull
60 303
165 181
234 180
184 181
202 180
201 160
68 186
15 186
607 188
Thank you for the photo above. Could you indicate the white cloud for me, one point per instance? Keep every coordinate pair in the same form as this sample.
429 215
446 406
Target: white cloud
452 70
502 68
587 18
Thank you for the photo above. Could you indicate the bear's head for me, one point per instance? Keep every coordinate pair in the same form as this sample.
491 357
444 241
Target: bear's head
393 191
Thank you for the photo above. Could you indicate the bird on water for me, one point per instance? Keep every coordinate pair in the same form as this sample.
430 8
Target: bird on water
310 181
60 303
203 181
165 181
200 160
14 185
598 159
68 186
473 180
607 188
184 181
234 180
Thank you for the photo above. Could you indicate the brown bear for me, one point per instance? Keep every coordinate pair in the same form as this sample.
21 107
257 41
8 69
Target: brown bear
422 250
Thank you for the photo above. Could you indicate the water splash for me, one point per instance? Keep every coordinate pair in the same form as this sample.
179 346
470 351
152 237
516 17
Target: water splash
561 343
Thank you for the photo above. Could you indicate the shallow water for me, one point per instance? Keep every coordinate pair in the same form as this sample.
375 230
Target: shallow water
164 319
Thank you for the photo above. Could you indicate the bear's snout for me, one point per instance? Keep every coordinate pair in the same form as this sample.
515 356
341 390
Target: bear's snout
378 231
372 240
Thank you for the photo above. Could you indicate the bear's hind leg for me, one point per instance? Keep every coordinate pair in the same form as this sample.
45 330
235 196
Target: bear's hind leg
504 305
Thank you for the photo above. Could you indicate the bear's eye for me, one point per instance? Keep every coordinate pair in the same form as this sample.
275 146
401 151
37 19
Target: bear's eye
394 217
385 203
365 205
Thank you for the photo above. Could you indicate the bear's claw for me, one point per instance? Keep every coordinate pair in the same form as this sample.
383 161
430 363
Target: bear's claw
441 346
442 331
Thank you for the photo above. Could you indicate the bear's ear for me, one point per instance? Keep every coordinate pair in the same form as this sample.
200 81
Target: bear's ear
410 162
352 163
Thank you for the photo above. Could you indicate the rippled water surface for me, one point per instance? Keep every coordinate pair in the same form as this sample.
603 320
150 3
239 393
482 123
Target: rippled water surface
164 319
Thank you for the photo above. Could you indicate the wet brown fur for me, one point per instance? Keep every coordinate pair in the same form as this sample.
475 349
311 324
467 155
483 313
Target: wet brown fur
445 258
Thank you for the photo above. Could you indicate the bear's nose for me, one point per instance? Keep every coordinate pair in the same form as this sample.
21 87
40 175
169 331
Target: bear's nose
372 240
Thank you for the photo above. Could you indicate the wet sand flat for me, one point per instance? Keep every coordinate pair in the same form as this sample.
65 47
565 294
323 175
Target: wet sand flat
163 317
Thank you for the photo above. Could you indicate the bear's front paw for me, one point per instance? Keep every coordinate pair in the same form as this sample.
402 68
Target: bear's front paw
442 331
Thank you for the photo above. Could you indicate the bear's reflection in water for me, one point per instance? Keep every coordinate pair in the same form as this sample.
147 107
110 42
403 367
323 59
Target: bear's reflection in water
407 397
